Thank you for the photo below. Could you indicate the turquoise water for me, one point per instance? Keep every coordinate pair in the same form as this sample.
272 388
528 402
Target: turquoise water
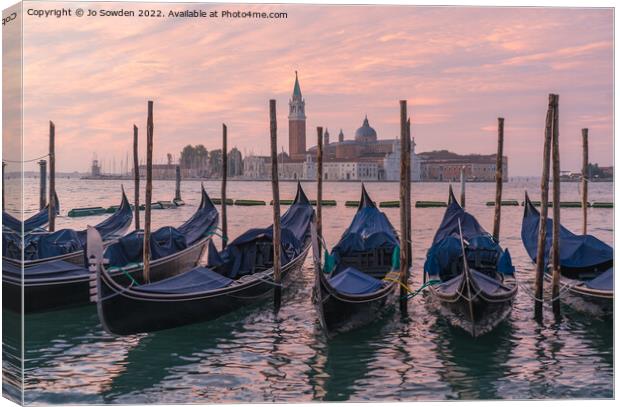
255 355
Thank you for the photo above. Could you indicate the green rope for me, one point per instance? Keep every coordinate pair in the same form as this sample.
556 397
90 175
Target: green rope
419 290
214 233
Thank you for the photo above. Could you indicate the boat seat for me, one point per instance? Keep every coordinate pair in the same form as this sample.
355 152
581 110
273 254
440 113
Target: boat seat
376 263
263 257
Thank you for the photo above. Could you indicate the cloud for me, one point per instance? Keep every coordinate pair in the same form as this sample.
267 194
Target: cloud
459 68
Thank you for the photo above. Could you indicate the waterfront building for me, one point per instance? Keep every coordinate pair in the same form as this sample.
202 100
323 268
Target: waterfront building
297 123
235 163
446 166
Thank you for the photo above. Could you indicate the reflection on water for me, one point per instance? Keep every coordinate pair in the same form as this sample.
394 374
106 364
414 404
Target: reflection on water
254 355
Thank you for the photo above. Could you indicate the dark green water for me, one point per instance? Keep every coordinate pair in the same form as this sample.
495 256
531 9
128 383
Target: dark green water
254 355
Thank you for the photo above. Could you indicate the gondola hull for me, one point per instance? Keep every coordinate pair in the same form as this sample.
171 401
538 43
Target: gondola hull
339 313
476 313
53 294
127 312
583 298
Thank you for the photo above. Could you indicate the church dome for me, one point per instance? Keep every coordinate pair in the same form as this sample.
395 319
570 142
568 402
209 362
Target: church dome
365 134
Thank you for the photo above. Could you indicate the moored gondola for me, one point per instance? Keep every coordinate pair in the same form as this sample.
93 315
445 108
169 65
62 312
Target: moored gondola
359 277
41 248
474 277
37 221
61 284
240 275
586 263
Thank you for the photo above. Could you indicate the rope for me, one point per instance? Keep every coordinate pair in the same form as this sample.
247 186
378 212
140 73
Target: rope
26 161
563 290
419 290
213 232
403 285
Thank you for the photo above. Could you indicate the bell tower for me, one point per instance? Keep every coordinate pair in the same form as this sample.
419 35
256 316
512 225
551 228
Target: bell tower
297 123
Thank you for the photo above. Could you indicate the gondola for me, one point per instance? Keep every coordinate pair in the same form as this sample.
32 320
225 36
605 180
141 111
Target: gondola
586 263
37 221
360 275
41 248
475 285
240 275
61 284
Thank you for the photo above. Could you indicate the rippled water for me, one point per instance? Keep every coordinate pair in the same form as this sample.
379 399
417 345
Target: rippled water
254 355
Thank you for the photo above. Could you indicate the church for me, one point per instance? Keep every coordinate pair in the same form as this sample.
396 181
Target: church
364 158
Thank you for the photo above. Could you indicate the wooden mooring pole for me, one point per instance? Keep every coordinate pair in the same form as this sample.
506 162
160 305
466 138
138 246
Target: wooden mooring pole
177 184
405 161
136 180
277 277
499 178
319 183
544 200
555 248
224 181
52 193
463 187
585 178
42 184
3 201
408 199
146 254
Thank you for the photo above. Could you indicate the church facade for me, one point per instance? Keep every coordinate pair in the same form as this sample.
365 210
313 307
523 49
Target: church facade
364 158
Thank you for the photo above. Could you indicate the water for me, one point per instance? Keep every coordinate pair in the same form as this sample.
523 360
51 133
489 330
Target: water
254 355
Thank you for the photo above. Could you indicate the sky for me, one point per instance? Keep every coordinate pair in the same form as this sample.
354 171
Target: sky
459 68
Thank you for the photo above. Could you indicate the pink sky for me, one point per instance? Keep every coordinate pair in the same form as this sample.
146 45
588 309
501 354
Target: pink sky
460 68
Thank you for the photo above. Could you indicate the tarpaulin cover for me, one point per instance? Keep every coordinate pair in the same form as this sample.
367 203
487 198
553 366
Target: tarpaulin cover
370 229
201 222
576 251
240 256
354 282
444 258
50 244
52 269
450 224
604 281
199 279
38 220
129 249
483 283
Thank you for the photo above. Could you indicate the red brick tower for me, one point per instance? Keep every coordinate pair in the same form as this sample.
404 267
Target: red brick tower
297 123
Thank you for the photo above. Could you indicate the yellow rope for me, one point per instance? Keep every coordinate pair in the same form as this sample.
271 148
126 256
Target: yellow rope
399 282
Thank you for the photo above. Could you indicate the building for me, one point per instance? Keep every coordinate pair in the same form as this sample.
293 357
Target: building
297 123
444 165
235 163
160 171
95 169
255 167
365 157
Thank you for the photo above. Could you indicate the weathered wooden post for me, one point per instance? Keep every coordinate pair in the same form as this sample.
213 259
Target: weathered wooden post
319 183
224 180
585 178
555 248
408 198
146 254
544 200
277 277
42 184
462 186
499 178
3 202
52 157
136 180
404 188
177 184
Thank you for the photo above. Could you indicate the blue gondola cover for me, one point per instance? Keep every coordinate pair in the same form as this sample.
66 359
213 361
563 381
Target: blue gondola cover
605 281
353 282
576 251
200 279
242 254
370 229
